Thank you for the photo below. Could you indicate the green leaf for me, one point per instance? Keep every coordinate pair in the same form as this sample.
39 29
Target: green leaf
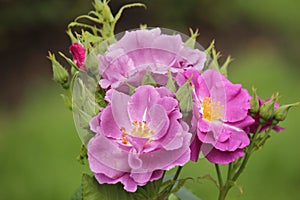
92 190
184 96
85 106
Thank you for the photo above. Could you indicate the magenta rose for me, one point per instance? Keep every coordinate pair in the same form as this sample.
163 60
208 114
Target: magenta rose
138 137
220 115
78 52
137 51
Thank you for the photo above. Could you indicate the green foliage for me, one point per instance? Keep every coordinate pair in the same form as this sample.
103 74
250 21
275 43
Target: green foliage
171 82
60 74
148 79
192 40
101 26
84 105
92 190
184 96
212 61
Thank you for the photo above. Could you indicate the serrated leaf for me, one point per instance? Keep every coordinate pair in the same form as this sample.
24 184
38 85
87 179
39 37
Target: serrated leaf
92 190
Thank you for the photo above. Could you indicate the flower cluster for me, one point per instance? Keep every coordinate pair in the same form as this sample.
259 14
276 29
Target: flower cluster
151 101
142 133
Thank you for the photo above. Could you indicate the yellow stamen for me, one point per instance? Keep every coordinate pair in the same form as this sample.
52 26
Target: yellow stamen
212 110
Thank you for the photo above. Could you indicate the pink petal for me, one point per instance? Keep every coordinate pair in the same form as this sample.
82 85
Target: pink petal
140 103
119 105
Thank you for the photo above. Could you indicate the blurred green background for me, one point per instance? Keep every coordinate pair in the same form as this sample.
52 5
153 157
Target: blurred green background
38 141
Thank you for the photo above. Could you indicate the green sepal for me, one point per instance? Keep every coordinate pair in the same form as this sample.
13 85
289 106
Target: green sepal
280 113
184 96
143 26
266 111
131 88
148 79
71 36
192 40
118 15
67 101
69 61
171 83
213 60
254 102
60 74
223 69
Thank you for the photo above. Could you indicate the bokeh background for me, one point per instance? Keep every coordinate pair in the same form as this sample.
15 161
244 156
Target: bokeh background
38 141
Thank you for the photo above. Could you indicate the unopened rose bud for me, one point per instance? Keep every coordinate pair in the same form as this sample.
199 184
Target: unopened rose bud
78 52
281 113
60 74
254 103
266 111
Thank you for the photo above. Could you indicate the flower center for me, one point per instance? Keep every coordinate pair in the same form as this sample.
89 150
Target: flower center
140 129
212 110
